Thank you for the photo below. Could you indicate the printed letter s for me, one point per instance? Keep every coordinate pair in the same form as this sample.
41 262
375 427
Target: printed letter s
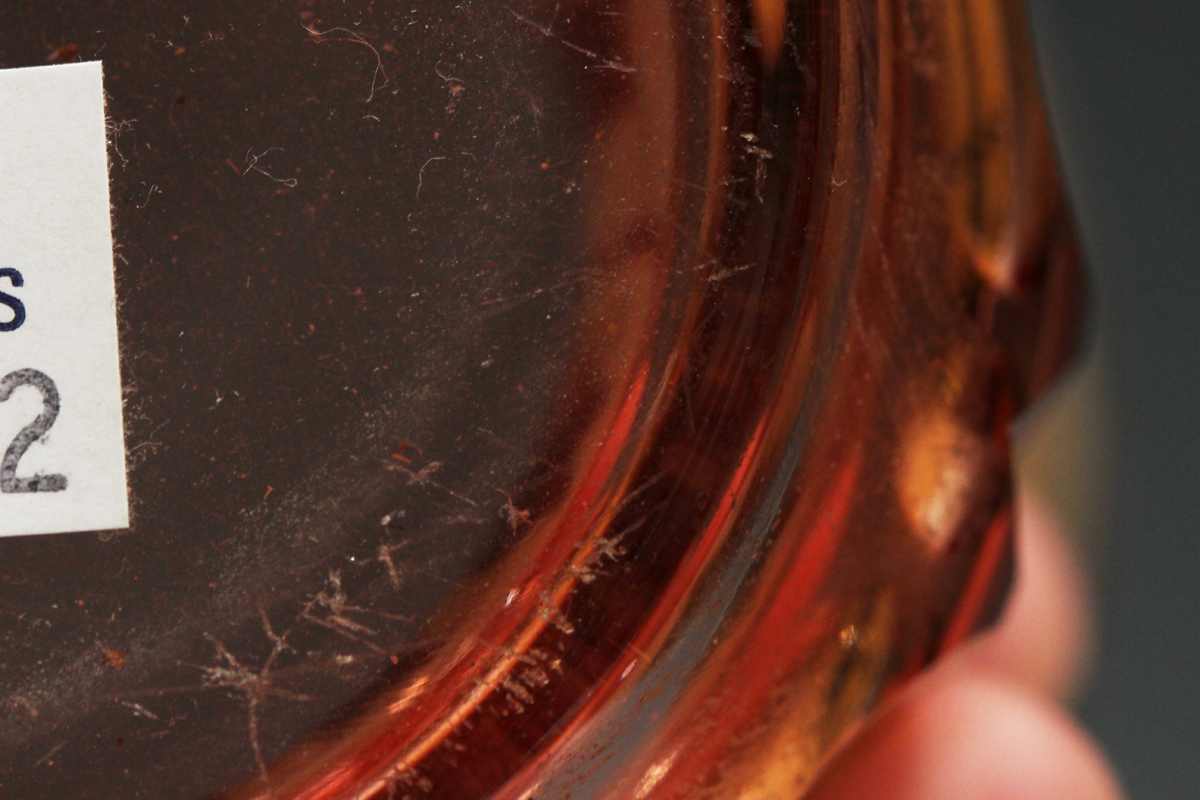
18 308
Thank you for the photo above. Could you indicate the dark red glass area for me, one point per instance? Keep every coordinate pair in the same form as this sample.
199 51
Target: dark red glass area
589 399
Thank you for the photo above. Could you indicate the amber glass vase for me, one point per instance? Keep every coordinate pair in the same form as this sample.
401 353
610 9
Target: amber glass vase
530 399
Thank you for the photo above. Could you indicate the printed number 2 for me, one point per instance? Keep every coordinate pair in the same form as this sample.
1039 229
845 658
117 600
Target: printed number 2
9 482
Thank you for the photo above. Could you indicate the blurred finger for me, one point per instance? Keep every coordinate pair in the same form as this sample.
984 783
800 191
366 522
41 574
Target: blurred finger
1044 638
972 737
985 723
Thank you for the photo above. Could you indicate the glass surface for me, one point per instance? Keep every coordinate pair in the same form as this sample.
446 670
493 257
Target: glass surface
545 399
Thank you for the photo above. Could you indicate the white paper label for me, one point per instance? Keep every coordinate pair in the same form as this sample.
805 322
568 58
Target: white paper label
63 466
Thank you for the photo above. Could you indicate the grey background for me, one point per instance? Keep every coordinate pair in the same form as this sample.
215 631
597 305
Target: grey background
1123 82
